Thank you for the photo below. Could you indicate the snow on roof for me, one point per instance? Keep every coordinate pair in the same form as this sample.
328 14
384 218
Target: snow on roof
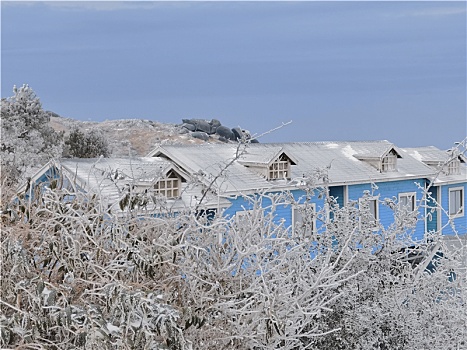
434 156
431 154
309 156
110 176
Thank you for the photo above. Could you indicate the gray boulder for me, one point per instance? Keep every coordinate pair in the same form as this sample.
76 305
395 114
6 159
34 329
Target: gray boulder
225 132
200 135
215 123
203 125
189 126
238 133
188 121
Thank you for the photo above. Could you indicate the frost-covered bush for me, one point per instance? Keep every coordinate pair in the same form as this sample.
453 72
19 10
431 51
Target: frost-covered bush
91 144
86 277
78 275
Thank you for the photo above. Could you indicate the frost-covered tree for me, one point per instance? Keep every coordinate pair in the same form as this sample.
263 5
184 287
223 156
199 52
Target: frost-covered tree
81 276
91 144
411 294
27 140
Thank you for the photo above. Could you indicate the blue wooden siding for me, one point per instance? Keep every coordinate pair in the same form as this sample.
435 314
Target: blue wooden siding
432 215
281 212
391 190
459 223
45 180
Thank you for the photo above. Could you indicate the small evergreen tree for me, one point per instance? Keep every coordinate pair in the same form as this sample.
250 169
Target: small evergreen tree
90 144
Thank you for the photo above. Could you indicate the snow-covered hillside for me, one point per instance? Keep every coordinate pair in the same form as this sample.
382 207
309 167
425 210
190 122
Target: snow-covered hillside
135 137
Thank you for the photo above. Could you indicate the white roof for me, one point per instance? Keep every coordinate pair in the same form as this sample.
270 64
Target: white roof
344 160
113 178
229 169
436 158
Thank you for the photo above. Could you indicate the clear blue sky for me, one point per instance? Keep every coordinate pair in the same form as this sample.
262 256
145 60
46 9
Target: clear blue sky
338 70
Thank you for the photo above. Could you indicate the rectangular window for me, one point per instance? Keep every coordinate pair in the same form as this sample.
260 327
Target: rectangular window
456 201
407 201
279 169
304 219
245 219
389 163
454 167
168 187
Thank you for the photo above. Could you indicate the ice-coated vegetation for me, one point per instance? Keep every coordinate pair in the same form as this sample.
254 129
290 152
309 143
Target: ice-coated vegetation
77 276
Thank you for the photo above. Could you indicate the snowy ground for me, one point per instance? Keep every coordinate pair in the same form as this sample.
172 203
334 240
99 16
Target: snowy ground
135 137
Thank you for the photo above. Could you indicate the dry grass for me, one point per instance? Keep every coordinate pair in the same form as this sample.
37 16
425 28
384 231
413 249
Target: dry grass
131 137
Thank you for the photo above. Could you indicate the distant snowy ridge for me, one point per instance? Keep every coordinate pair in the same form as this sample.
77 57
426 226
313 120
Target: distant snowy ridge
131 137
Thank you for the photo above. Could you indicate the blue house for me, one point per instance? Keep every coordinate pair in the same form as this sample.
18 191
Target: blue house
377 170
140 185
223 177
448 191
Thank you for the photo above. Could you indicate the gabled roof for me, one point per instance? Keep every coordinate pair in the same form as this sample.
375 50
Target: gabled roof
214 163
264 157
111 178
377 151
135 170
431 154
435 157
341 157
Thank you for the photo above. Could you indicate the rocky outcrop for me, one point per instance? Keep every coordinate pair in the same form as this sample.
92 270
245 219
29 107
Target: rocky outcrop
213 129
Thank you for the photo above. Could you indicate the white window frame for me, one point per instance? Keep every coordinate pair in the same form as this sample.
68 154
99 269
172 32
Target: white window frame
460 212
389 163
169 187
244 217
453 167
279 169
376 207
412 196
296 212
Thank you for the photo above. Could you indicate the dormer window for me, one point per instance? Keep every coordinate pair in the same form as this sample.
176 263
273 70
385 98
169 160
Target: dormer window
453 167
388 163
169 187
280 168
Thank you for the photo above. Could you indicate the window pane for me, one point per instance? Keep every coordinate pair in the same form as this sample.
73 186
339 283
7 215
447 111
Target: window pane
303 221
455 201
373 204
407 202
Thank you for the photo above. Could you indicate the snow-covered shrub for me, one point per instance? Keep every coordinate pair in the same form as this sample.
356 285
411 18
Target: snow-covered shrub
91 144
27 141
77 275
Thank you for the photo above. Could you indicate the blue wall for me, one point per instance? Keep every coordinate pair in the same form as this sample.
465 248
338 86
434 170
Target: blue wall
44 180
384 190
391 190
281 212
